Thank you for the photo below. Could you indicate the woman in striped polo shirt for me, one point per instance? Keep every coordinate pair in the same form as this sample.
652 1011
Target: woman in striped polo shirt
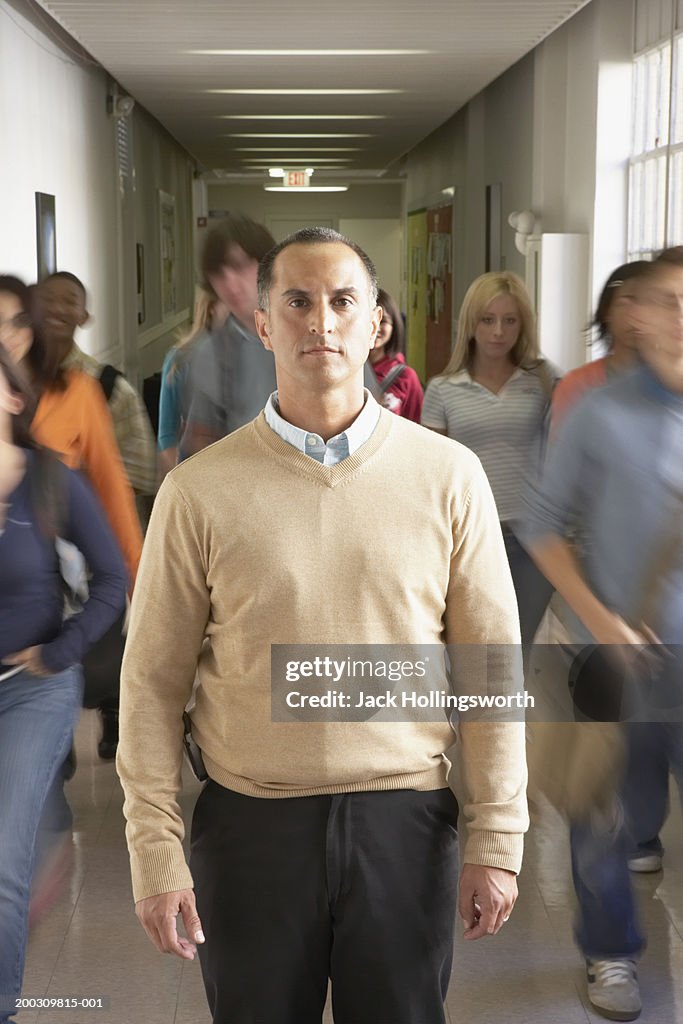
493 397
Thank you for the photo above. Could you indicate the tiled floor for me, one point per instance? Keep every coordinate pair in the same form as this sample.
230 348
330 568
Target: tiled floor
91 944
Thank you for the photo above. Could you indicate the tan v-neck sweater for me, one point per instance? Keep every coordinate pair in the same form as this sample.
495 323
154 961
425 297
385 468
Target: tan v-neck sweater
252 543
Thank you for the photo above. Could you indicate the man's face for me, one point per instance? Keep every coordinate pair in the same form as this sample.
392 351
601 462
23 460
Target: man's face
62 310
321 323
660 325
235 284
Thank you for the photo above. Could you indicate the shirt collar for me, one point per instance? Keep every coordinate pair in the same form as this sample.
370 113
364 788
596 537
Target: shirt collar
305 441
465 377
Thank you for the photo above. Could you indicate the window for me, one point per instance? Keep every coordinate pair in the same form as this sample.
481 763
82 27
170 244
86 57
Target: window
656 166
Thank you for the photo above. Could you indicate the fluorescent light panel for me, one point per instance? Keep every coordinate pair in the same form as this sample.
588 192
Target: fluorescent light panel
308 53
301 92
297 149
299 135
306 188
302 117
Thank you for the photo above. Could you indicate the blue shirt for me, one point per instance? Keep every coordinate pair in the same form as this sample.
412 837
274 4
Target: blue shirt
616 471
173 393
338 447
229 378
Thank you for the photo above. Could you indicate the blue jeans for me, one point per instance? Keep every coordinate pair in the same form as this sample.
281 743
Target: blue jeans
37 720
654 750
531 587
608 927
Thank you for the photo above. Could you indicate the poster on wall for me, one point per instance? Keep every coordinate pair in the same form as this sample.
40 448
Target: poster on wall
46 235
169 248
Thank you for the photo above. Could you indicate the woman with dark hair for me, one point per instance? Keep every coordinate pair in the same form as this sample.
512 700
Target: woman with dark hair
399 384
613 322
71 416
40 651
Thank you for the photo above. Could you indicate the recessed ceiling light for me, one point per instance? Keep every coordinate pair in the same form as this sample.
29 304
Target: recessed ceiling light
299 160
301 92
302 117
298 135
297 149
308 53
306 188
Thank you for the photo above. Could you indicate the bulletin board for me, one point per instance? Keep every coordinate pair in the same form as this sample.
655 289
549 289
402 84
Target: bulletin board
416 353
439 291
169 249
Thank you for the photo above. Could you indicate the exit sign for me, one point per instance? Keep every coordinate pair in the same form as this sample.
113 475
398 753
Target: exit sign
295 179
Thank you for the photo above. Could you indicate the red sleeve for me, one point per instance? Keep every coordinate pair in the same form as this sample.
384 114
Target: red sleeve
411 408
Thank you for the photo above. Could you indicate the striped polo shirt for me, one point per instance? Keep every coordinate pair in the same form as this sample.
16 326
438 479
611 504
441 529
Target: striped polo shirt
504 430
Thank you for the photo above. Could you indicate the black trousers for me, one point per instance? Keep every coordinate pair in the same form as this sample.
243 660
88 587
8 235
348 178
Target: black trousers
360 888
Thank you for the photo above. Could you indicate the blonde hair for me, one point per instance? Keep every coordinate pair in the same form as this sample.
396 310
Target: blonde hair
205 303
480 293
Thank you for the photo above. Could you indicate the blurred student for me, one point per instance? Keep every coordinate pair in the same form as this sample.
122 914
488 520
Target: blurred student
616 472
615 325
40 676
62 300
209 314
230 374
72 418
399 385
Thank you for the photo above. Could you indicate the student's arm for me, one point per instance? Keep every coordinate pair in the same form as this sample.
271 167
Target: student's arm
86 527
134 436
571 474
433 411
169 403
104 468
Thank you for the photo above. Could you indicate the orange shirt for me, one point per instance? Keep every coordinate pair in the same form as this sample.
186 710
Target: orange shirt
570 389
76 424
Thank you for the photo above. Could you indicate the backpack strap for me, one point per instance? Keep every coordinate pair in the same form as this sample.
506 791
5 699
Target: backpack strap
393 375
108 376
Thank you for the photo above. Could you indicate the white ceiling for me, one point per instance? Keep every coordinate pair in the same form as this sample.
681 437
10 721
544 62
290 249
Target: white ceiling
144 44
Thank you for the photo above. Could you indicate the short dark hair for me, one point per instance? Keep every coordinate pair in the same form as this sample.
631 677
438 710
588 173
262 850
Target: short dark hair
619 276
235 229
673 255
309 236
396 341
65 275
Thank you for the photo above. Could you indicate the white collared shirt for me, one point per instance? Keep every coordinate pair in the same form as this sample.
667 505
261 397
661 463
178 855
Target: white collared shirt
338 447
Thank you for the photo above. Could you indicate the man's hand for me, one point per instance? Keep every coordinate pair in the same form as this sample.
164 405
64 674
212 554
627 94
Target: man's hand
487 896
158 917
30 660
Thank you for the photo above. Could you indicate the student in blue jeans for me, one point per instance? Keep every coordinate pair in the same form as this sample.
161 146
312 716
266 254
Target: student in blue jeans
616 472
40 677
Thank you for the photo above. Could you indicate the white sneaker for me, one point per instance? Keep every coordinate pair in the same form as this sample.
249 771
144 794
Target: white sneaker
613 988
645 863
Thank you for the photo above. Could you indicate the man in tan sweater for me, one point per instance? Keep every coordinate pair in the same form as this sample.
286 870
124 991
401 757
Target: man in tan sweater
322 846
